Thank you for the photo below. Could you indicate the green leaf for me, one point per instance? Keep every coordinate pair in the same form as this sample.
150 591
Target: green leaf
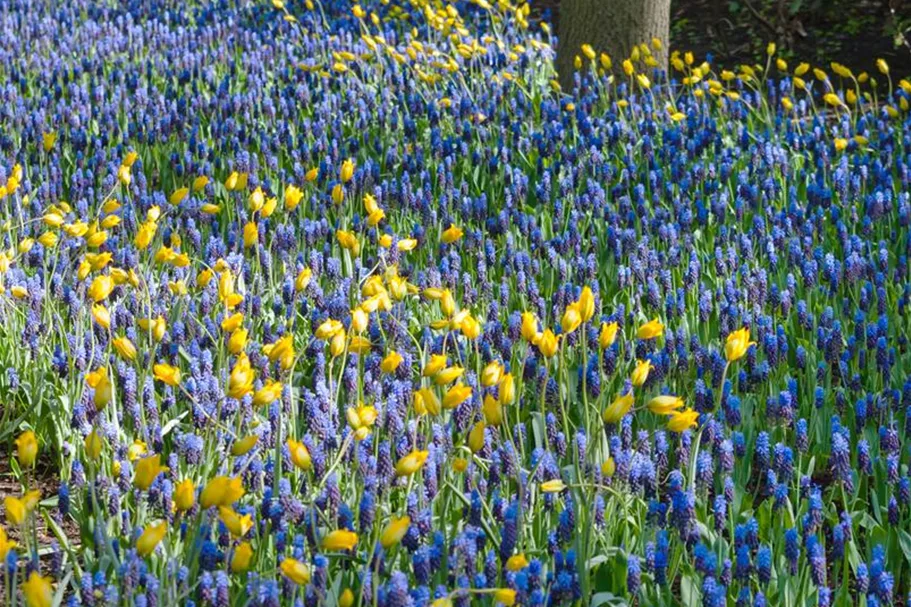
598 559
172 424
689 591
62 588
853 556
606 598
538 429
904 540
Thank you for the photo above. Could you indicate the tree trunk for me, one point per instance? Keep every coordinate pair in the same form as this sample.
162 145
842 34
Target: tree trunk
609 26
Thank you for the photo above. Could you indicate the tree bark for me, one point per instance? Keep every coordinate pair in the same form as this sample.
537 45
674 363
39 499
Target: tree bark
609 26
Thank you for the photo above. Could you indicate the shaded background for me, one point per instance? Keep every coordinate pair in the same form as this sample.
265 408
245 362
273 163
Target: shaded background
852 32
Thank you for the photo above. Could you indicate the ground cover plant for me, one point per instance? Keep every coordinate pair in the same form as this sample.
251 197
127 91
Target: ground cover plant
347 304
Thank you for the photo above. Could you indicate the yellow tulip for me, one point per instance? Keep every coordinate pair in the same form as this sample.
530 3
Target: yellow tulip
204 278
337 344
426 401
178 195
16 512
506 596
294 570
240 380
586 304
231 323
282 350
640 373
650 330
529 327
100 288
491 373
628 68
31 499
240 560
124 347
243 445
451 234
251 234
456 395
221 491
833 100
300 456
339 540
434 365
361 419
683 420
100 382
447 303
53 220
293 196
5 545
167 374
136 450
395 531
737 344
268 394
48 140
470 327
411 463
665 404
237 341
338 194
608 335
302 279
156 327
347 171
150 538
406 244
547 343
617 409
184 495
256 200
48 240
391 362
374 218
236 524
493 411
476 437
553 486
38 591
448 375
27 449
93 445
101 316
328 329
147 470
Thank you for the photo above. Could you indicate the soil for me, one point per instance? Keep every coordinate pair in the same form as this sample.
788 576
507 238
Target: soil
45 477
737 31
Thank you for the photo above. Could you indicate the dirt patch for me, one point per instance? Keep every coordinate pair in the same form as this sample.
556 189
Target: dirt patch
44 477
852 33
